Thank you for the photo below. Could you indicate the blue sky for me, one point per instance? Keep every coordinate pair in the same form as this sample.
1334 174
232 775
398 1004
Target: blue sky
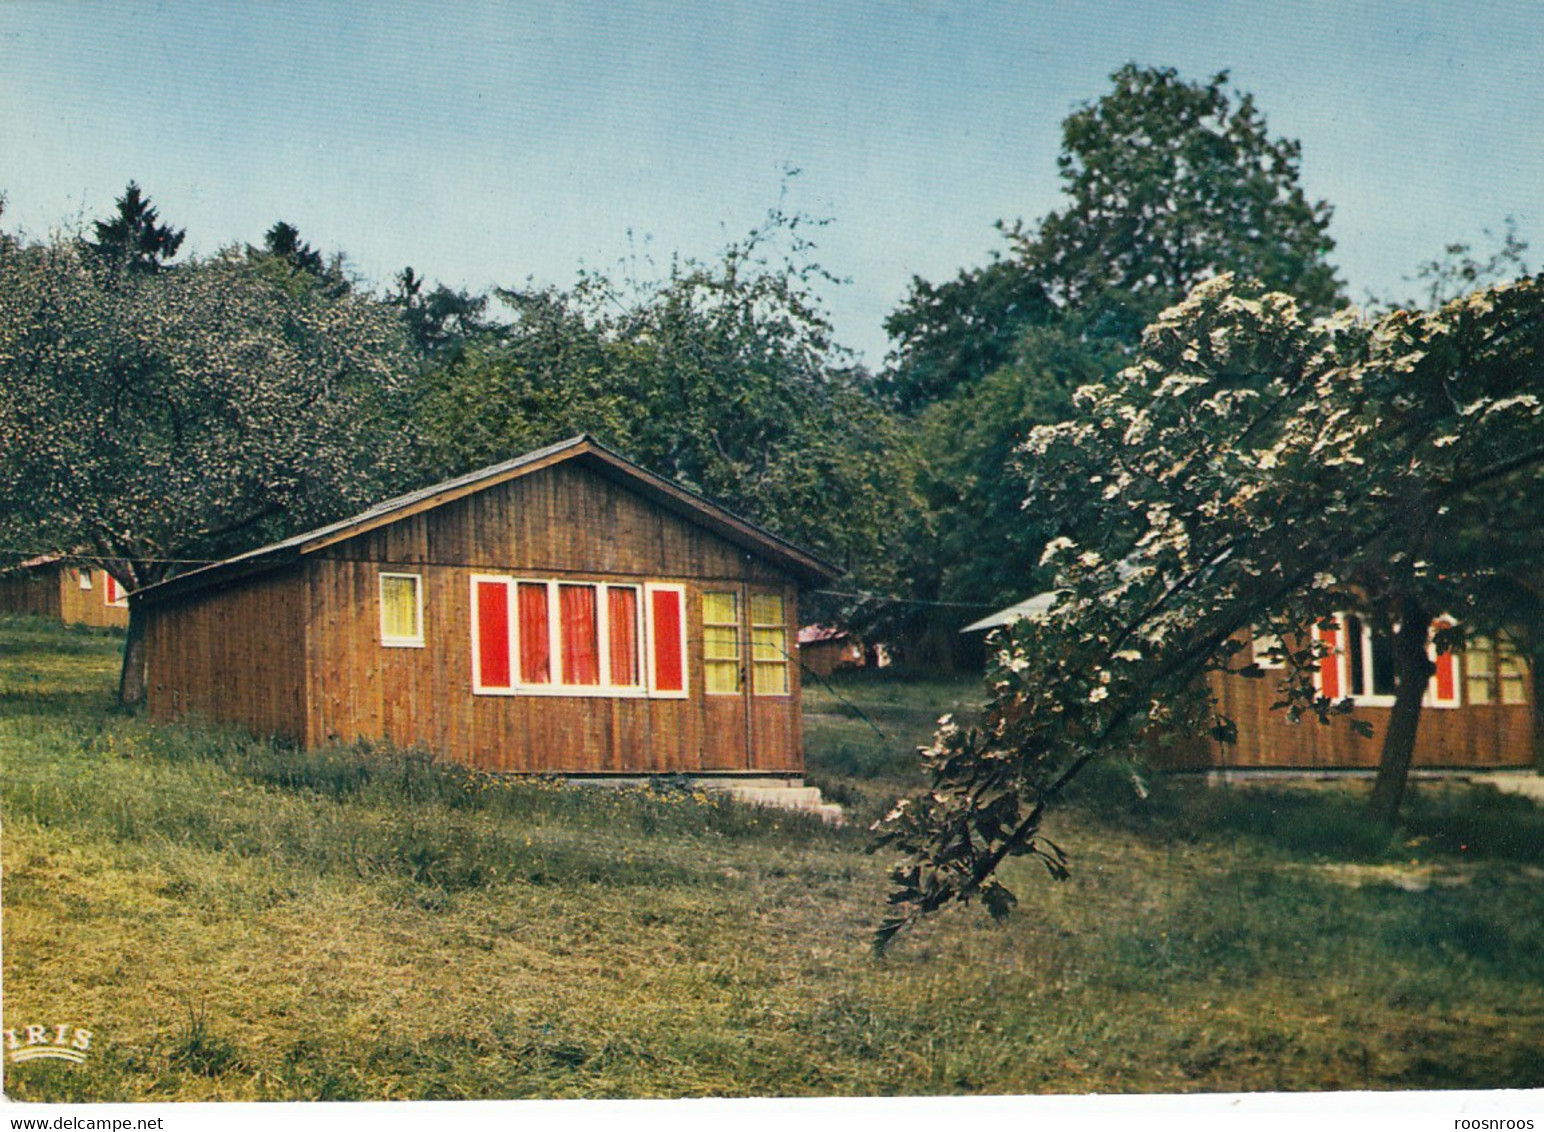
494 143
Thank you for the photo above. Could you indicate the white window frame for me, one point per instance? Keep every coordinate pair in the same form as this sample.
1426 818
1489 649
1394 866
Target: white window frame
1363 699
786 660
556 687
1259 642
83 577
1509 656
742 617
650 676
478 688
394 641
110 584
1433 700
1374 699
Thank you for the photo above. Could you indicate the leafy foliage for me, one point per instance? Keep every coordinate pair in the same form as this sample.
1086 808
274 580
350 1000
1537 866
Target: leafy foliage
295 265
1168 183
1172 183
722 375
156 417
441 322
171 416
1242 471
949 336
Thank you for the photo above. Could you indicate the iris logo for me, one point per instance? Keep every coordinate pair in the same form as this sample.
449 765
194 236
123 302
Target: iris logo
32 1043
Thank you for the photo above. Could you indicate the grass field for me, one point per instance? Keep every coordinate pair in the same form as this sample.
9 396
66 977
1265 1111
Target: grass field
236 919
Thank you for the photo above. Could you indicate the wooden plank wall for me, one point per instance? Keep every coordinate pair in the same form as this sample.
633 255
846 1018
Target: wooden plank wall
1472 736
562 522
88 607
34 591
234 654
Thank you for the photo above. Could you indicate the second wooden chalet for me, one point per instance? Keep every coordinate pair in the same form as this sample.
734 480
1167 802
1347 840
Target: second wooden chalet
564 612
53 588
1477 714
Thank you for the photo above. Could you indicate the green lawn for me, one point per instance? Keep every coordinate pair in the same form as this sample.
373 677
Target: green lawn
236 919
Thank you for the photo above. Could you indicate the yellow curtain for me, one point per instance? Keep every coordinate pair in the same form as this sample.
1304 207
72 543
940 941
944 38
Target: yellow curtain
399 608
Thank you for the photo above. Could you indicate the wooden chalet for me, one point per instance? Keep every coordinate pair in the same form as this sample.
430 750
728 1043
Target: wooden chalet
1477 714
75 594
564 612
825 648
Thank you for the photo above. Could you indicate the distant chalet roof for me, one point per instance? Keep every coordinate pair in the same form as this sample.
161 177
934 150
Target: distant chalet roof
584 449
819 634
1030 609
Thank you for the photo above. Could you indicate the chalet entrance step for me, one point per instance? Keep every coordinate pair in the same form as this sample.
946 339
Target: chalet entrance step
782 794
785 793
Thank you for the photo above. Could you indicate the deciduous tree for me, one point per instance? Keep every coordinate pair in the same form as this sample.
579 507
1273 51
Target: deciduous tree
156 418
1242 472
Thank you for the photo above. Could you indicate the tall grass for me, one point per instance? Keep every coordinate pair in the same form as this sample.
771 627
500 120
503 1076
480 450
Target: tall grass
236 918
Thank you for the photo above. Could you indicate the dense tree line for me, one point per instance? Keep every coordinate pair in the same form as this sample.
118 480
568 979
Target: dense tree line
156 411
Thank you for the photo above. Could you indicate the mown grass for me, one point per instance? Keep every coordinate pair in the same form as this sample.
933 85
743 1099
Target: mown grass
236 919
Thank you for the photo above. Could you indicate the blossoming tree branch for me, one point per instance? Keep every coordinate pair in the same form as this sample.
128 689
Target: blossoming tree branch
1251 473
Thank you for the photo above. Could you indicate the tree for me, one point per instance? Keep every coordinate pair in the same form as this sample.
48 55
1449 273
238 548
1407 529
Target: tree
132 240
1244 471
1168 183
289 262
283 241
442 322
722 375
1172 183
154 419
950 336
1457 271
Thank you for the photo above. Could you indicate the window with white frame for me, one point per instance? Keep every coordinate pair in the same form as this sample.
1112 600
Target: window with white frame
769 645
1444 690
402 611
113 594
1269 652
1494 671
721 642
84 577
567 637
1368 652
1359 663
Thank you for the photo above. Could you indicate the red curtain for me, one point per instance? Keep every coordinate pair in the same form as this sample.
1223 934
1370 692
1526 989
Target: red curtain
1447 667
535 647
665 614
492 634
622 621
581 645
1329 665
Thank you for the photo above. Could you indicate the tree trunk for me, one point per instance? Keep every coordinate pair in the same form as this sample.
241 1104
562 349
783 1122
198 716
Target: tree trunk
1412 672
937 645
131 680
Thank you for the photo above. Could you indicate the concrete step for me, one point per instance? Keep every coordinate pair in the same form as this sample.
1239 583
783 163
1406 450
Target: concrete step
782 796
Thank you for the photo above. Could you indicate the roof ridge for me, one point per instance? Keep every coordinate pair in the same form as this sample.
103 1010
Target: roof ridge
577 445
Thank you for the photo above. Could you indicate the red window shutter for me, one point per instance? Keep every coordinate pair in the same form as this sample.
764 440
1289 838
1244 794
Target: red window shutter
1446 675
492 635
581 635
535 643
1329 664
665 619
622 621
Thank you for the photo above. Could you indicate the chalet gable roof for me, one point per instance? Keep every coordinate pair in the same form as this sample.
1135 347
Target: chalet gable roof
584 450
